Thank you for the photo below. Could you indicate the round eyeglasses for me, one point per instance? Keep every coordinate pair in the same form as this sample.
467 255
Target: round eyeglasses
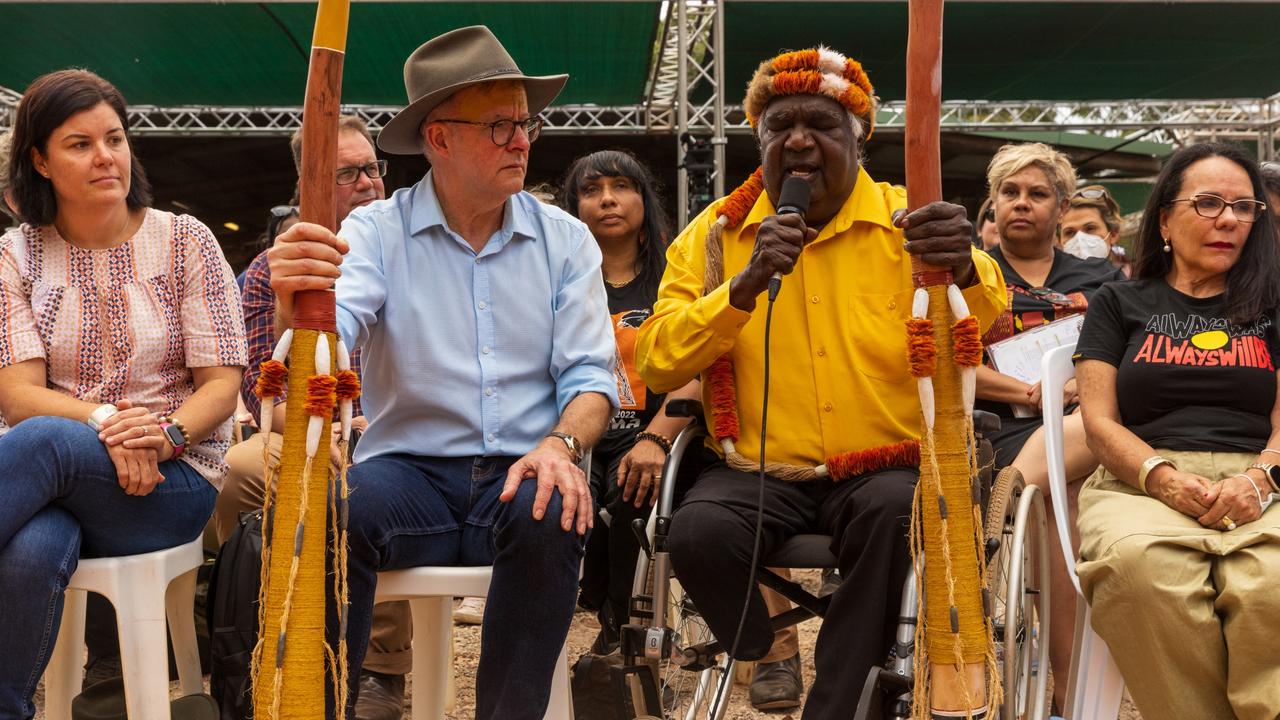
502 131
1211 206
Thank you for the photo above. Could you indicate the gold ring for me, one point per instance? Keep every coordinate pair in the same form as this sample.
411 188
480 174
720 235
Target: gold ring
1231 525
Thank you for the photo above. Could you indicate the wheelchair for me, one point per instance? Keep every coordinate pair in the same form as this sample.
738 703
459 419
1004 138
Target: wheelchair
675 669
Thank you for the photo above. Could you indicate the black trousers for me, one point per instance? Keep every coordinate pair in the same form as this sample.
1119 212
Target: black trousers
612 550
867 517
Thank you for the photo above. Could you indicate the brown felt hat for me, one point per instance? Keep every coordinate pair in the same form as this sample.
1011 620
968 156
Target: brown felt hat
448 63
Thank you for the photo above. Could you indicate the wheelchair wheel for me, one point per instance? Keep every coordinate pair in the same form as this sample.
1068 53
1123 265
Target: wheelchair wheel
684 694
1018 575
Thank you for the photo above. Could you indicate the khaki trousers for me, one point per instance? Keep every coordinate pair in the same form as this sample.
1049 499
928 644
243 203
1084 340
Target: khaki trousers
243 491
786 642
1188 612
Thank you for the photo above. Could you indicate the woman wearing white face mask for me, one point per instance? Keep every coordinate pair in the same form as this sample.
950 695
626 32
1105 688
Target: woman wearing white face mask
1091 227
1030 187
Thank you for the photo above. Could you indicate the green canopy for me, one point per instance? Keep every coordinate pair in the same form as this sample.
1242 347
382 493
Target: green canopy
1031 50
239 54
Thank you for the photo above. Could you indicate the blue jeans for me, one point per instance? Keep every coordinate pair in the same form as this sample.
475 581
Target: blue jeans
59 497
409 511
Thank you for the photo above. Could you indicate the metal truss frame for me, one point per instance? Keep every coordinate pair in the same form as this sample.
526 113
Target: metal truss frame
685 95
1174 121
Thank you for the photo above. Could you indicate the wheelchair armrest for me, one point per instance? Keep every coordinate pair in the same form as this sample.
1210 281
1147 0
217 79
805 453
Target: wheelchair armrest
685 407
985 423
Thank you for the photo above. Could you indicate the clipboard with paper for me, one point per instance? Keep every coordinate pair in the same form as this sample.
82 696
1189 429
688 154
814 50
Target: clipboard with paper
1019 356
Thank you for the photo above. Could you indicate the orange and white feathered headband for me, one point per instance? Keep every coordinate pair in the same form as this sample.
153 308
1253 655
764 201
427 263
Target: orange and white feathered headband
816 71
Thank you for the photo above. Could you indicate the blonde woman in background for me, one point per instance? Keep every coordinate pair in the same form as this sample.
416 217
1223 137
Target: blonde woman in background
1030 188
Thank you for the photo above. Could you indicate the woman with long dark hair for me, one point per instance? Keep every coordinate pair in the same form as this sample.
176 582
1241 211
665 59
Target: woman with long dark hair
121 350
1178 386
617 197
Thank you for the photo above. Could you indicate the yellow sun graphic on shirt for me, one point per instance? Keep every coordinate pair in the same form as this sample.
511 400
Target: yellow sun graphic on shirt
1210 339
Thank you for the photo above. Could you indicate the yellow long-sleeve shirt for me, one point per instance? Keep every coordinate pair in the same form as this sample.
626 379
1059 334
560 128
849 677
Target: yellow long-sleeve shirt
838 361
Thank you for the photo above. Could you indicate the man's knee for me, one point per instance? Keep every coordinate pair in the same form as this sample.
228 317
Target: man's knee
519 514
243 488
892 494
703 530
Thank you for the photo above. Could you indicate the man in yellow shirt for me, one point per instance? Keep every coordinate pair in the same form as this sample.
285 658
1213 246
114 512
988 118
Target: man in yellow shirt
842 449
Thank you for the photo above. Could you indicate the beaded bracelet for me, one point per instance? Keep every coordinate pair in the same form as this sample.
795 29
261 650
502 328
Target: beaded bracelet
656 439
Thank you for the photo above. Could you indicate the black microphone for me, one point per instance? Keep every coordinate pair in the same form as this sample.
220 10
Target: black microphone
793 200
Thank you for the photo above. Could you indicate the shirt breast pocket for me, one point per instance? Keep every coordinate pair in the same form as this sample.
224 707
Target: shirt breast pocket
878 334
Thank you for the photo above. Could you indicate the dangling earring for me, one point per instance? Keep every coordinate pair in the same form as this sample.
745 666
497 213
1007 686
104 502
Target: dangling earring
1167 248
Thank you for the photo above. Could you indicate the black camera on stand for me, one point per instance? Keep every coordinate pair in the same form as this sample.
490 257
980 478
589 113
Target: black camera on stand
699 165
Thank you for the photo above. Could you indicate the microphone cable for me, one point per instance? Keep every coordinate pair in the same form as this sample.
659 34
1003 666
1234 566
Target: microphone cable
774 286
793 199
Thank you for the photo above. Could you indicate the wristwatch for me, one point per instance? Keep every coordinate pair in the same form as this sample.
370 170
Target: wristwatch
100 415
174 433
1272 472
575 447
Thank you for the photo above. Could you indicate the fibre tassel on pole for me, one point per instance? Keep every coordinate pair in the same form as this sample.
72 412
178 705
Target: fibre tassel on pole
955 655
303 502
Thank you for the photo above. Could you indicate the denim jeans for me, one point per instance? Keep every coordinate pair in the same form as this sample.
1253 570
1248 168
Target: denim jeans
60 498
409 511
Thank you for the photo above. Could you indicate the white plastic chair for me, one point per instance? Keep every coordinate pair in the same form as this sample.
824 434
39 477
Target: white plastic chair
144 589
1094 687
430 592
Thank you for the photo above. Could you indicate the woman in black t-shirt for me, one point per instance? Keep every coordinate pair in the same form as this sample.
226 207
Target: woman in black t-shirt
1030 189
617 198
1177 371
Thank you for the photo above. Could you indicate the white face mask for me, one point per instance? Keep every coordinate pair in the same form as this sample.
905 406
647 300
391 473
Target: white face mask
1085 246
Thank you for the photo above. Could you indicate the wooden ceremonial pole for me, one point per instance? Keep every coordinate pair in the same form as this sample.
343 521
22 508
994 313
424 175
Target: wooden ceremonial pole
953 648
289 677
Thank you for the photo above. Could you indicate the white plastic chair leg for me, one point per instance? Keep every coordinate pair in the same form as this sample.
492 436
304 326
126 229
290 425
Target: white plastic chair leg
65 674
180 604
432 655
560 705
1095 687
143 651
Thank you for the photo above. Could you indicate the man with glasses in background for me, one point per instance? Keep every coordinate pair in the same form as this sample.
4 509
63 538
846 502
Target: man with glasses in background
488 363
358 184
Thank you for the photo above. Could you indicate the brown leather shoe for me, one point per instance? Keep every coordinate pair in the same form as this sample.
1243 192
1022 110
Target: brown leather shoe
777 685
381 696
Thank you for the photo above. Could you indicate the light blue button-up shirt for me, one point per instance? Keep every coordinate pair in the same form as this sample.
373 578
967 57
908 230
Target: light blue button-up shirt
471 353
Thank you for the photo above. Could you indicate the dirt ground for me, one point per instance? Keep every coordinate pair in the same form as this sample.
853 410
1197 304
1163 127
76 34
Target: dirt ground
581 635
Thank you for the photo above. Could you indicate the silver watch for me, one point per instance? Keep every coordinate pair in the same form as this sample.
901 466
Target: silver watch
100 415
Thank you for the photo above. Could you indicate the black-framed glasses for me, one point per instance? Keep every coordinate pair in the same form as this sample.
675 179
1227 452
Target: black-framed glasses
502 131
1211 206
373 171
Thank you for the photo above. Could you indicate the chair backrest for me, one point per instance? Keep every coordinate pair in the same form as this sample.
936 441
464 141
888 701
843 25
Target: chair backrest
1056 369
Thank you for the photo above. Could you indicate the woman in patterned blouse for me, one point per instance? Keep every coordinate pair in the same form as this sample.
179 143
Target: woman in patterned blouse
121 350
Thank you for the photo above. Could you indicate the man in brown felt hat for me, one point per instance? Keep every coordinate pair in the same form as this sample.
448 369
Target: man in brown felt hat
487 363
